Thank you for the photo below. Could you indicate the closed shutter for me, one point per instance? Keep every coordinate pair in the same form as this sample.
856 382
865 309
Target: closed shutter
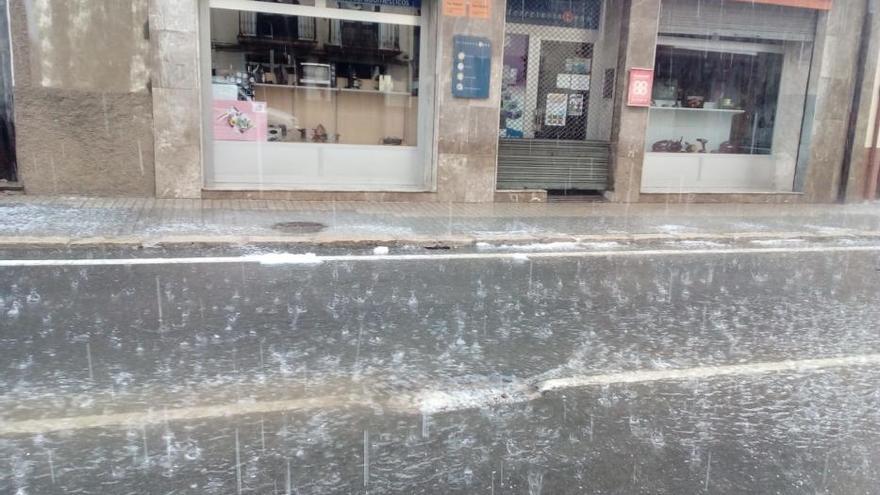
737 20
552 164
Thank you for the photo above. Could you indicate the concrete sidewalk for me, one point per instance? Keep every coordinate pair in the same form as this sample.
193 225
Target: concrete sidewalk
84 221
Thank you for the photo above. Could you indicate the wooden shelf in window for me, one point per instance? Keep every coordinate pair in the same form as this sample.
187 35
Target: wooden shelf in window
299 47
335 90
359 52
308 43
686 109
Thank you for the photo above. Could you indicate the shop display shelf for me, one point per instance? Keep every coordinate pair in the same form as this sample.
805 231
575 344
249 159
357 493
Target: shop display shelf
335 90
686 109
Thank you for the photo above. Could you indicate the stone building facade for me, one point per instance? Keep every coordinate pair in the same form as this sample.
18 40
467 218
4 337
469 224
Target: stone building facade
443 100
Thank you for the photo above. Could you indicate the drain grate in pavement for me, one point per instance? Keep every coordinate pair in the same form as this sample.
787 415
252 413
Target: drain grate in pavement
299 227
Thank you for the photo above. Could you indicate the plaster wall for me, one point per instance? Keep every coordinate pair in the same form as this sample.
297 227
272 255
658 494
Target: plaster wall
83 108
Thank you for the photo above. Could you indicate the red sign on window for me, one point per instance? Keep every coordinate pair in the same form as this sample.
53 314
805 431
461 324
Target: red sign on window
641 82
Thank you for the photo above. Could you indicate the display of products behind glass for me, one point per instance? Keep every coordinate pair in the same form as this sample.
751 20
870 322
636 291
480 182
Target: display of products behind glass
319 80
714 101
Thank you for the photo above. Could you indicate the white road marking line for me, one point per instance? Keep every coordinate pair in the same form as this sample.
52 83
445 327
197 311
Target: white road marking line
431 402
702 372
181 414
312 259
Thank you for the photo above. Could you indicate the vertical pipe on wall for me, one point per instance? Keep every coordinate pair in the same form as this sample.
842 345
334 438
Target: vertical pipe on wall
861 60
802 156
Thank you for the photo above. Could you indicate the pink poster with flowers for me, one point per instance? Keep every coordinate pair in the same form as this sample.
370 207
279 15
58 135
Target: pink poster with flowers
240 120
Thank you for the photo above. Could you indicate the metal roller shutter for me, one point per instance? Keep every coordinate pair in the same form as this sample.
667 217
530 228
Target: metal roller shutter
737 20
552 164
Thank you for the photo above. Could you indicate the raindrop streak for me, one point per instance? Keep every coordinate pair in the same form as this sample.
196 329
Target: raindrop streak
531 265
591 427
52 466
89 359
708 468
425 419
305 378
263 434
237 462
366 457
159 298
146 453
168 450
536 483
825 471
357 352
449 219
288 476
141 157
106 118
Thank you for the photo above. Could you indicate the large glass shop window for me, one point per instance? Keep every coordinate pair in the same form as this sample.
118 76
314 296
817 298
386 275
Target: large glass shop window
717 121
719 102
311 102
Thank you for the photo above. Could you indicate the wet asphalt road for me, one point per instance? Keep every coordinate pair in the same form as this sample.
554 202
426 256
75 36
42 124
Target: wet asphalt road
426 375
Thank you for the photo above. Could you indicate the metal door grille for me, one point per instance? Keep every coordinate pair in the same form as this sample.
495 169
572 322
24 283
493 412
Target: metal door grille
557 95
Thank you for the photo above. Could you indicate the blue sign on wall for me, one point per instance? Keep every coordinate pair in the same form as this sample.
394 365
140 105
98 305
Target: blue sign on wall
471 66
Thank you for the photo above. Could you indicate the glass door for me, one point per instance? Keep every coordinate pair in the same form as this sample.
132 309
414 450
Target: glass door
563 90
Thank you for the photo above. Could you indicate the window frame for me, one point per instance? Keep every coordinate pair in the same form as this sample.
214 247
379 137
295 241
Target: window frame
320 9
427 118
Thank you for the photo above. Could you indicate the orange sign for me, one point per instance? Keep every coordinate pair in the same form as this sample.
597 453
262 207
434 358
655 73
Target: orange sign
479 9
454 8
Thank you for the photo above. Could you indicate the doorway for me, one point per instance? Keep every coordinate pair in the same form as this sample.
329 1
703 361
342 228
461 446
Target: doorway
557 91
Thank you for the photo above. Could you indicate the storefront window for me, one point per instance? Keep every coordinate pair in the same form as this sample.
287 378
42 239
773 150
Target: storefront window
717 121
285 86
731 96
715 101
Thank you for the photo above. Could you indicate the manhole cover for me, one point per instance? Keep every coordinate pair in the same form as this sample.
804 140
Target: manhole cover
299 227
